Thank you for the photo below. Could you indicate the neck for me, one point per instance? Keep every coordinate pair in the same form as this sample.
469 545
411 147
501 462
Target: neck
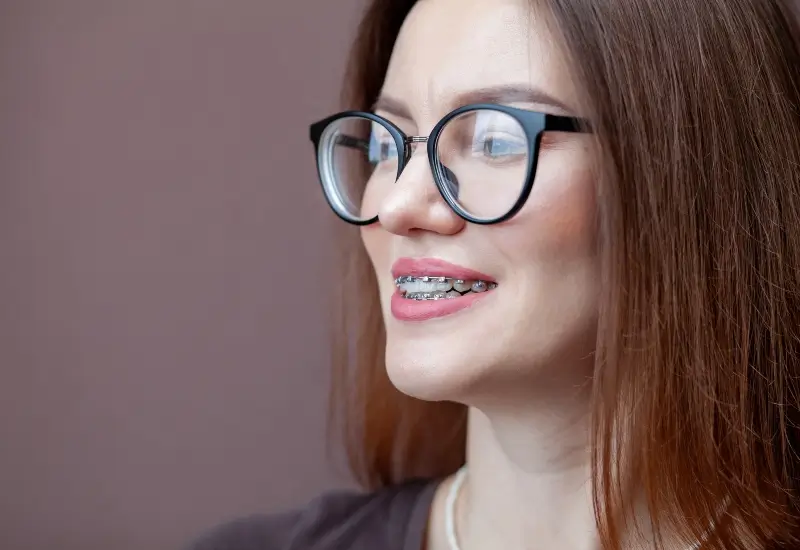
528 484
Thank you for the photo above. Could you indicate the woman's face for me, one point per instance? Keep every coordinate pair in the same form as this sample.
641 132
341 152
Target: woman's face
538 325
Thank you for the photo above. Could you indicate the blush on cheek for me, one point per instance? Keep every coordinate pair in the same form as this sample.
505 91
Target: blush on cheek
561 212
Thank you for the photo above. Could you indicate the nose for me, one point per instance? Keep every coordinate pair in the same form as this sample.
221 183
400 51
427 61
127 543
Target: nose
415 204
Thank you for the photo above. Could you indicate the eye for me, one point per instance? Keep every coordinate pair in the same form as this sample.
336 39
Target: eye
381 151
497 137
498 146
382 146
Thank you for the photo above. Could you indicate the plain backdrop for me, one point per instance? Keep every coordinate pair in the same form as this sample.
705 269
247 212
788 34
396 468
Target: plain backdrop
164 265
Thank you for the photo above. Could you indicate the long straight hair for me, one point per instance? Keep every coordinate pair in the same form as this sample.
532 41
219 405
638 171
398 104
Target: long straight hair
696 391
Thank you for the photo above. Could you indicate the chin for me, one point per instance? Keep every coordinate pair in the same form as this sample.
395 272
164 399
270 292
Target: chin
445 363
429 373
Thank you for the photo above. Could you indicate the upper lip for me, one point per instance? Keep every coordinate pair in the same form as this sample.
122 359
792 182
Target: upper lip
434 267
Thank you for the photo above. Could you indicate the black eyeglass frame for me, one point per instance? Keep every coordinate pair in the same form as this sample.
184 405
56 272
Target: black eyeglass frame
533 123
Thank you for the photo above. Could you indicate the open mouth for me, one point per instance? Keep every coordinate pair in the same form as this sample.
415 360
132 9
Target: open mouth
439 288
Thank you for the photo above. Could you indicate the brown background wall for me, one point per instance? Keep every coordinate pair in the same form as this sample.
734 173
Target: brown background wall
164 259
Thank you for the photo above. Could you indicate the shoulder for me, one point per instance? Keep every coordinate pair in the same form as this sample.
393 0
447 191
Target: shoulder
335 520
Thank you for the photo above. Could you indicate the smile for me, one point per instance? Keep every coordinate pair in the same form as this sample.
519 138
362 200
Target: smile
430 287
439 288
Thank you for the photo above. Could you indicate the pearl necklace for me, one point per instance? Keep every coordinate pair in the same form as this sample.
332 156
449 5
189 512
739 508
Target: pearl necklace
450 509
450 512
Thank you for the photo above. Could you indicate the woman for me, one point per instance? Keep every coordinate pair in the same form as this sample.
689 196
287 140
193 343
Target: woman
576 304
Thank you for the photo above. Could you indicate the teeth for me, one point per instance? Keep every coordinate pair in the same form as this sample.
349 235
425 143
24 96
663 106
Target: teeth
438 288
461 285
479 286
424 284
444 284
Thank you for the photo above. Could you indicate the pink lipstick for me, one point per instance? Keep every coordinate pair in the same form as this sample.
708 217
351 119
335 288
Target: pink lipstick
429 288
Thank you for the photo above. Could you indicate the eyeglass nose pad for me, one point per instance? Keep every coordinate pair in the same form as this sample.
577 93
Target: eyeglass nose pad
450 181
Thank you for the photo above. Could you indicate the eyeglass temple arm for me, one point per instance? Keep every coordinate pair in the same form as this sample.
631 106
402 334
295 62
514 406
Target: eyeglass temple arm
558 123
353 142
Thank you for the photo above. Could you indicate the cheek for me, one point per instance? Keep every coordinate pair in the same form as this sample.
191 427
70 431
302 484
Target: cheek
551 252
560 215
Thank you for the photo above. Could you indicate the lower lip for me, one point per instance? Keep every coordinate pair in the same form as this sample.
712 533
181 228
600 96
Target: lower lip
405 309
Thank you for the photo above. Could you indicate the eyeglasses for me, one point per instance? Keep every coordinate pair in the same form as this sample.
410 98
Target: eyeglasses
483 158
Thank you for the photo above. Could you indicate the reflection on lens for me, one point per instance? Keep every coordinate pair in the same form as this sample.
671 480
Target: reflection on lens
358 164
482 160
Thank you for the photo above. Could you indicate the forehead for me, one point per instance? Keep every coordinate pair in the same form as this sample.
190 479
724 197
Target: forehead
451 47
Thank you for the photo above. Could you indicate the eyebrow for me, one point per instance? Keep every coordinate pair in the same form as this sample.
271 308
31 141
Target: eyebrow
494 94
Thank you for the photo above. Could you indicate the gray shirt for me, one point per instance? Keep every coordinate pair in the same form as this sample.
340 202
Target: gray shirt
394 518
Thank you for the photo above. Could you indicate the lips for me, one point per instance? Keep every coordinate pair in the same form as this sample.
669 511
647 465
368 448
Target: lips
405 309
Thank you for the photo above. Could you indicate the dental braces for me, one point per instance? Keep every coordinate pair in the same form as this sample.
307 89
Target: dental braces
476 286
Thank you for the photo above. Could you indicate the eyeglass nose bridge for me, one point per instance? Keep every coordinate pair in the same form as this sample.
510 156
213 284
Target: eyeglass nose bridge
409 142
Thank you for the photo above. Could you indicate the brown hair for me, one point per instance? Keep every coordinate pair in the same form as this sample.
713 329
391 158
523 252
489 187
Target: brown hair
697 380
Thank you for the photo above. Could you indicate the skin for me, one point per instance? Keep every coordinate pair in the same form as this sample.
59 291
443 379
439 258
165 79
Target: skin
520 358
